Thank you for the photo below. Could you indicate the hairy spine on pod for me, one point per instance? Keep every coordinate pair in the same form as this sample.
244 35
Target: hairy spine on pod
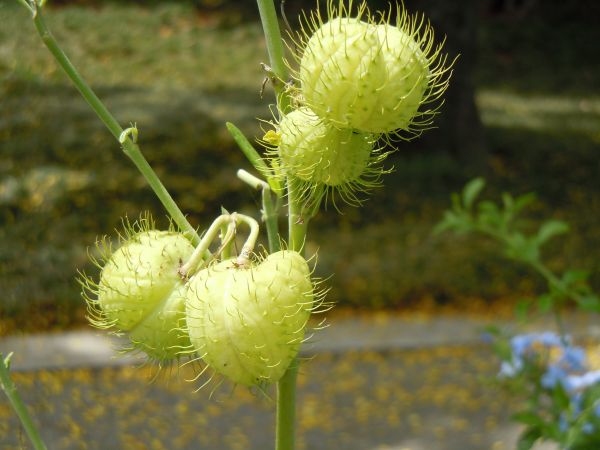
247 323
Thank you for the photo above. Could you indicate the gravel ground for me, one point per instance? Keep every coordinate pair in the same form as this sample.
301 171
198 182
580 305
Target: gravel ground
363 385
437 398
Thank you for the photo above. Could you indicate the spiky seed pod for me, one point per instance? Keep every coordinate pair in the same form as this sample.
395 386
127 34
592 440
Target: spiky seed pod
140 292
313 150
247 323
370 75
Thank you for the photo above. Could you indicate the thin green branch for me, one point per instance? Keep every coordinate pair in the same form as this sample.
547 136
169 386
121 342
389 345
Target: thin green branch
27 5
271 218
270 23
9 388
129 147
269 211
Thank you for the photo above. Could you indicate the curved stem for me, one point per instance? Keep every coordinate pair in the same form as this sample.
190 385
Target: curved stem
129 147
269 208
248 247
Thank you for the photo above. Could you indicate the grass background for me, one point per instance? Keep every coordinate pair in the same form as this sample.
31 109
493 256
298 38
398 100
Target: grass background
179 73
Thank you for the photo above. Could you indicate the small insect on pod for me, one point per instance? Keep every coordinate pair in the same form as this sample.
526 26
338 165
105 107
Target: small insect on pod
140 291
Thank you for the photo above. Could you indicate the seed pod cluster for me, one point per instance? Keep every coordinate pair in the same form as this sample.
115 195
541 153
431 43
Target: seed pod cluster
360 79
245 321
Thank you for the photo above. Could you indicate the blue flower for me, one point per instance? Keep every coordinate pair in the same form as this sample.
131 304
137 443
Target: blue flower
573 359
563 424
588 428
510 369
574 383
554 375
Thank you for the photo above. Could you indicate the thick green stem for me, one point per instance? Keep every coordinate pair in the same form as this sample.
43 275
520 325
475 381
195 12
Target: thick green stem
285 435
286 387
19 407
129 147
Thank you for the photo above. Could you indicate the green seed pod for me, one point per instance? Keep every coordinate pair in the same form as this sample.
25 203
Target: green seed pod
140 292
371 76
314 150
247 323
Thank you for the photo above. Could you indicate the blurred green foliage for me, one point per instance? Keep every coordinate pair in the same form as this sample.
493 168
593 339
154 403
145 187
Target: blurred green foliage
180 72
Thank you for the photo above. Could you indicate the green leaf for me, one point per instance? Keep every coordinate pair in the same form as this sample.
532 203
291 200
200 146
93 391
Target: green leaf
550 229
489 214
522 309
522 201
508 202
471 191
528 438
255 159
452 222
521 248
589 302
6 360
571 277
528 418
545 303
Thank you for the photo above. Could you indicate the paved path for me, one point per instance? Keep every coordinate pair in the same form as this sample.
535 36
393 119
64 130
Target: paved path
369 383
376 332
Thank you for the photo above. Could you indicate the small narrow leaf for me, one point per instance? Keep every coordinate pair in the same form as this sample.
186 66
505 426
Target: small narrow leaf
545 303
471 191
528 438
589 302
255 159
523 201
527 418
550 229
522 309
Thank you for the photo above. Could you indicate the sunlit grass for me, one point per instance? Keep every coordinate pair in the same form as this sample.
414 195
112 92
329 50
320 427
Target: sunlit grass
179 73
166 46
548 113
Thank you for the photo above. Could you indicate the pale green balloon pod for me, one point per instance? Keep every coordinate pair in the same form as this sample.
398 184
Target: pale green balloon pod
140 293
247 321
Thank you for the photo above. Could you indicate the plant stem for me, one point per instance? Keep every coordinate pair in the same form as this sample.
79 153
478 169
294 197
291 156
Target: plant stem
19 407
129 147
286 386
297 223
270 23
271 218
